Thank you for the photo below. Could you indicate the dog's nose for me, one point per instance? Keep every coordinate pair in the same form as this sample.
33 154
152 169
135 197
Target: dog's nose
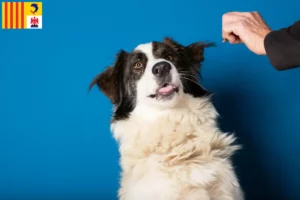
161 69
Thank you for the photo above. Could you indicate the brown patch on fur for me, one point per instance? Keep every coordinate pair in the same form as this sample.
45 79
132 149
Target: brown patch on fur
106 82
195 51
172 43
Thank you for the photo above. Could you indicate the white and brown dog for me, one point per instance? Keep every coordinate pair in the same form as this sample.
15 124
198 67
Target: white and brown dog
166 126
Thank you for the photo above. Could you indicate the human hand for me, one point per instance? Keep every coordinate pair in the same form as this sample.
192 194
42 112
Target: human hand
245 27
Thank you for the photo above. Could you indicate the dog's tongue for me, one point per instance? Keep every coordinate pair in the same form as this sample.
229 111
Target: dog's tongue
166 89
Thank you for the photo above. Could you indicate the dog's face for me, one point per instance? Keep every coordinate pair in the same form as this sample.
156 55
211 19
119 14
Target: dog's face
154 74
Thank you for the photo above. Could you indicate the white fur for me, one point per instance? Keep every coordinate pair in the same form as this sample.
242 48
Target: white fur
173 150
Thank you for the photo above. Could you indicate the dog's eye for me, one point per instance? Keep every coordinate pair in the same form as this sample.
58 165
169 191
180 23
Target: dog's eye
138 65
169 57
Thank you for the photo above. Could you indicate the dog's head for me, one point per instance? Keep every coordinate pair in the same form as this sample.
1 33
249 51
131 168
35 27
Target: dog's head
153 74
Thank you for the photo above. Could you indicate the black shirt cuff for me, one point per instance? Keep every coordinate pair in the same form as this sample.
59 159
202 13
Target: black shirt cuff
283 47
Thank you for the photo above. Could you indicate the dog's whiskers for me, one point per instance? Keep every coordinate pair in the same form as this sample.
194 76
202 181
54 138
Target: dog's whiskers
188 79
185 73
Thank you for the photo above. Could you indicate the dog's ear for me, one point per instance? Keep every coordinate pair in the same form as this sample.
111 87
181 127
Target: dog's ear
195 51
107 80
106 83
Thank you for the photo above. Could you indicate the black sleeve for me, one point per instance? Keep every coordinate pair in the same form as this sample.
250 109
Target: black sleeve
283 47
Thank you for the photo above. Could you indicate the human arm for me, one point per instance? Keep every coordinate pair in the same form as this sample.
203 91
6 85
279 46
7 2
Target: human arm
283 47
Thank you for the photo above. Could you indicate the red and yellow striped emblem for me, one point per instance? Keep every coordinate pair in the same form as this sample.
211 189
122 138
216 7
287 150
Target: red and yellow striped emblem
15 14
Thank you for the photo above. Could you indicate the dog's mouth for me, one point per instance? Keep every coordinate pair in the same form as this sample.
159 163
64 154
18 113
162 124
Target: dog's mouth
166 91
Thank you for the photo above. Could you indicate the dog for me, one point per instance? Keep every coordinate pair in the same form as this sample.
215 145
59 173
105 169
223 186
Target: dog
166 125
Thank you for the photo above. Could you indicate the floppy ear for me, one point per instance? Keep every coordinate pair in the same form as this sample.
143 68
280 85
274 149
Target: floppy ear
195 51
107 80
106 83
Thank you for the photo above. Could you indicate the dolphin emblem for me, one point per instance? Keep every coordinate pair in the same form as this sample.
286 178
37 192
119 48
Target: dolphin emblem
35 6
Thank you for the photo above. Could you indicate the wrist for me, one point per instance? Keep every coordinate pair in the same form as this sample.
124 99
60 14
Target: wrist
264 34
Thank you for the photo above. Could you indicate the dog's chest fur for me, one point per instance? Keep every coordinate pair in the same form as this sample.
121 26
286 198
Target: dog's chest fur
175 154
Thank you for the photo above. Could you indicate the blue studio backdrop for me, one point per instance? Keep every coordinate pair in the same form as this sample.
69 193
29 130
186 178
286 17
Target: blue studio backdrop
55 141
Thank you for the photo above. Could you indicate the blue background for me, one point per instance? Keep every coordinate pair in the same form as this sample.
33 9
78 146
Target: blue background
54 135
